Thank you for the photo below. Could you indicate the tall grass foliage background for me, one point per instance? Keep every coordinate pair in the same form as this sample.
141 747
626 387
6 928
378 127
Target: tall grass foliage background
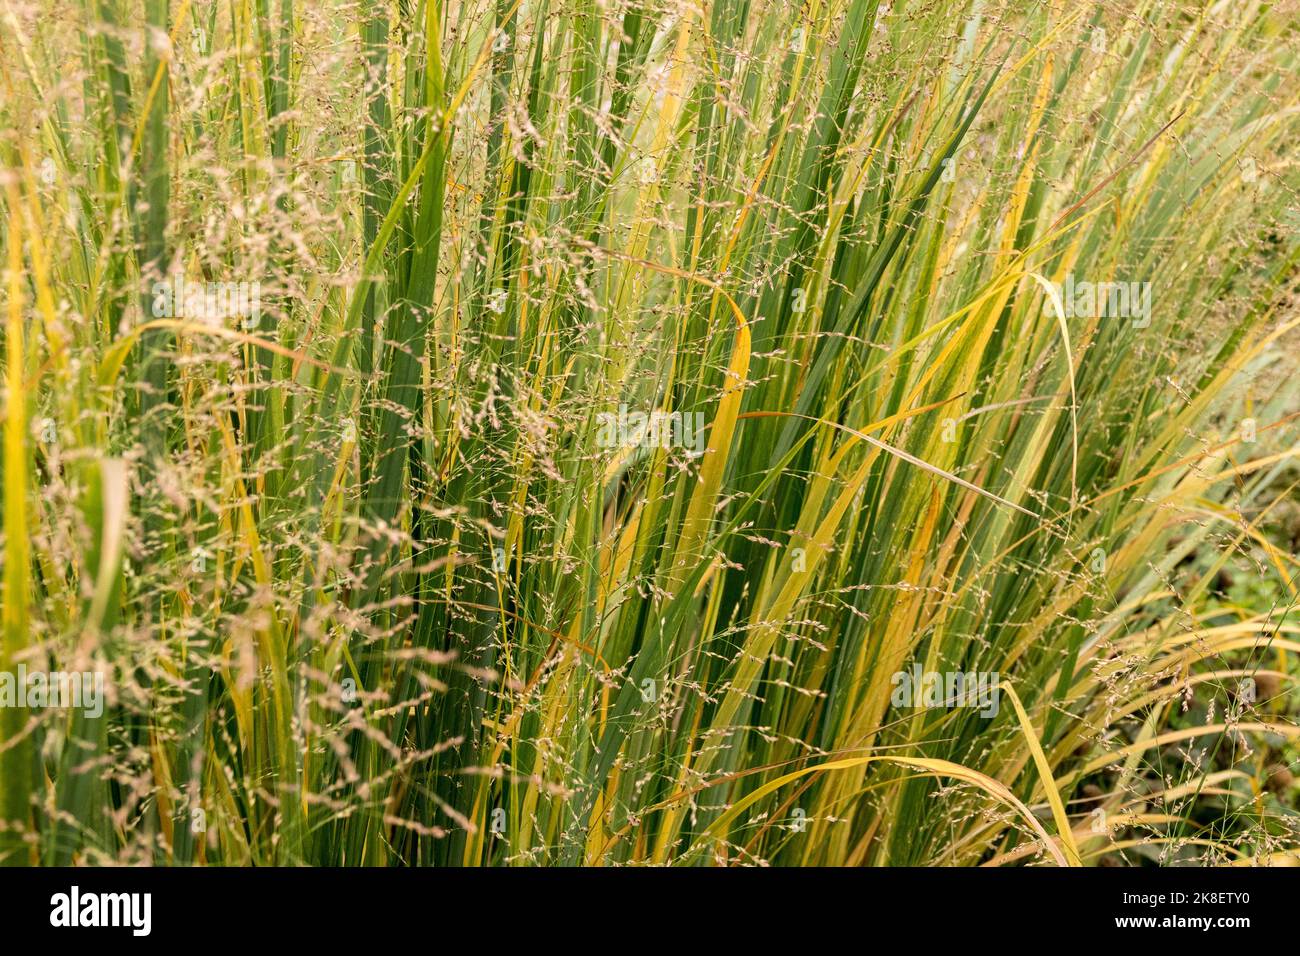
368 581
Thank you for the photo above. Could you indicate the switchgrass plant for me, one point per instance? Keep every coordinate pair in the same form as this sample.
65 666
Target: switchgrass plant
317 317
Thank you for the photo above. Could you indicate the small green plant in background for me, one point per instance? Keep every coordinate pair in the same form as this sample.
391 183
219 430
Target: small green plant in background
550 432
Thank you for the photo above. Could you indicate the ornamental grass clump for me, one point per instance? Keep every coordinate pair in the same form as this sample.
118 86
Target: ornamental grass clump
551 432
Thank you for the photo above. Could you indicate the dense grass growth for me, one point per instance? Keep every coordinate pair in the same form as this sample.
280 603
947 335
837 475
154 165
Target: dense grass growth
536 432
